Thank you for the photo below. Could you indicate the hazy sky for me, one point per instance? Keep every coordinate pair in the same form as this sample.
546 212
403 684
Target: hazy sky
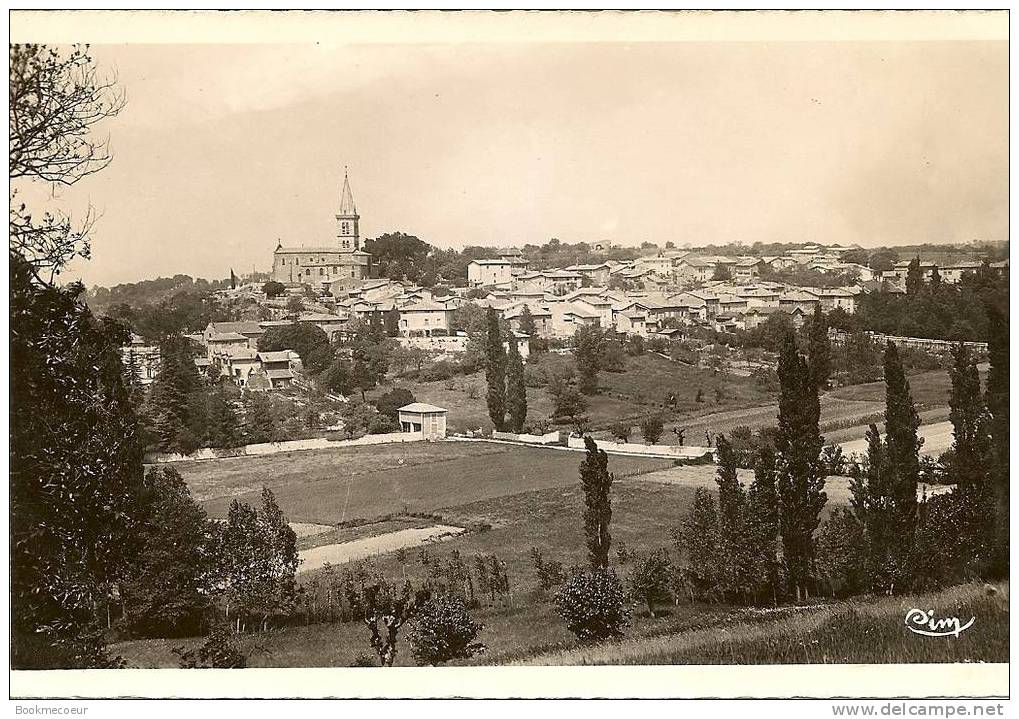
222 149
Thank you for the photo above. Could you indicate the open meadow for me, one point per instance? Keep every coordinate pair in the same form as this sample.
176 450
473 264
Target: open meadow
333 486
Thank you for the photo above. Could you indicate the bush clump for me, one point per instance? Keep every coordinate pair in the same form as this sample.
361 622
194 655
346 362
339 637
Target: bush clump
594 605
443 631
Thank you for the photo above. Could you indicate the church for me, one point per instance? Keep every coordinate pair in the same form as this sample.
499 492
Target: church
321 266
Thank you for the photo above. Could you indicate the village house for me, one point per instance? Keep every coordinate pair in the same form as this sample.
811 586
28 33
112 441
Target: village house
425 317
596 274
837 297
251 331
801 299
427 419
541 315
568 317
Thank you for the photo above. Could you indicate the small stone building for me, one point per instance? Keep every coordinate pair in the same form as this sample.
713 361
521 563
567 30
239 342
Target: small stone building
425 418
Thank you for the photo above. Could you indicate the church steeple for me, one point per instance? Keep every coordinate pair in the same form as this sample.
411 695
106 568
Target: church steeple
346 206
347 219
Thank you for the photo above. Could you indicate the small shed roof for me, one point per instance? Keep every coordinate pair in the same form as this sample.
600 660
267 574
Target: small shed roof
422 408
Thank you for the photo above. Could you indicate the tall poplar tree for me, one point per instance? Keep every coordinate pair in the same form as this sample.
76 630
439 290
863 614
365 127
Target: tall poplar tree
819 349
997 407
799 470
516 390
596 481
495 370
900 466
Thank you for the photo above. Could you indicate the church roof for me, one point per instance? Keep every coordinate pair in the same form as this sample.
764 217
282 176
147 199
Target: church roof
347 206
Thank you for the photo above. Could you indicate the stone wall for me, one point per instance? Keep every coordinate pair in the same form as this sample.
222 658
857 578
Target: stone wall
550 438
296 445
649 450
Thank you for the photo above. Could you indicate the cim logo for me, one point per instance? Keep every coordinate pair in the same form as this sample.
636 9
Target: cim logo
920 622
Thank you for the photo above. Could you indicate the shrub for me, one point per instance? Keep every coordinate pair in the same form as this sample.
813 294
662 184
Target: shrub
218 652
651 428
550 573
389 403
650 578
363 660
444 631
621 431
594 605
382 424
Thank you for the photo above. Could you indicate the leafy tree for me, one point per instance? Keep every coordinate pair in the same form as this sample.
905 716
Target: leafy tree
337 376
75 472
295 306
443 631
260 556
799 471
526 322
594 605
651 428
217 652
883 260
914 277
763 515
392 322
495 370
621 431
841 552
369 357
168 586
997 407
172 387
389 404
57 98
699 543
567 401
384 609
273 289
819 349
223 425
736 552
721 274
550 572
587 350
308 341
516 391
650 578
596 481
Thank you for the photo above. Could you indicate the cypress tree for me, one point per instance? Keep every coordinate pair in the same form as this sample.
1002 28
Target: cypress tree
587 349
900 466
516 390
914 277
799 470
874 507
819 349
762 499
968 415
736 559
527 321
495 370
997 407
596 481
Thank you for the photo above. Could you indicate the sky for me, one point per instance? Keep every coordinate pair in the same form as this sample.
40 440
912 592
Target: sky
222 150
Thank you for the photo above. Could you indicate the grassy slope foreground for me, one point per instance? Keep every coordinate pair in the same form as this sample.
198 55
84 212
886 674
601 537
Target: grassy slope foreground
866 630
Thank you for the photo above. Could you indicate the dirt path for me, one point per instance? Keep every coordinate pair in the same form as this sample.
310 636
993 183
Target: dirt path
703 476
318 557
936 439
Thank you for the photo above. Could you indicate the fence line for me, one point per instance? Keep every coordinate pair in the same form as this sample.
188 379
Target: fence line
296 445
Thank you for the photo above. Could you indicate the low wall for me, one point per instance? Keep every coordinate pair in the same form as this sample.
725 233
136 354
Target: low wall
295 445
454 344
658 450
550 438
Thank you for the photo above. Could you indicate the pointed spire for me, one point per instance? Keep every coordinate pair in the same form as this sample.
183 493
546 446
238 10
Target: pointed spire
347 199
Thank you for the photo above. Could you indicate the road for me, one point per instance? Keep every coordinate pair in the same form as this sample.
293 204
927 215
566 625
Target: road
936 439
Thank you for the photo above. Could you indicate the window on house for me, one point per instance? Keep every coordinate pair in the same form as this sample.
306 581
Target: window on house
307 272
297 260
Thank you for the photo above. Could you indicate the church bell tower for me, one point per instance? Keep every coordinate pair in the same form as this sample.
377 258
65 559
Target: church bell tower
347 219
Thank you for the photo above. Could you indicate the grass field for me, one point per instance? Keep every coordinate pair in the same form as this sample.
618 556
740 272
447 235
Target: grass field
341 485
864 631
929 389
646 385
